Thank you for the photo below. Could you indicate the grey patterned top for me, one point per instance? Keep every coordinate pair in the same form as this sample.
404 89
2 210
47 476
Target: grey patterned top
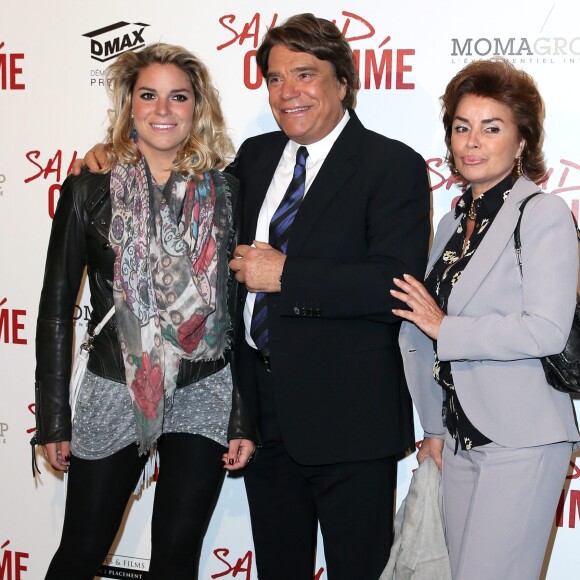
104 422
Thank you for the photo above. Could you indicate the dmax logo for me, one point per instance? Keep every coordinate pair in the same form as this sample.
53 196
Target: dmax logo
115 39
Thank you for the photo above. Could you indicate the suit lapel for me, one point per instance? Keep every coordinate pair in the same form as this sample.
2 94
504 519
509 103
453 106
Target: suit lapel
337 168
491 248
265 166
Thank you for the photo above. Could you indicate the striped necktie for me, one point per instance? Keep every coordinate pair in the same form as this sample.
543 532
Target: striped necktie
279 236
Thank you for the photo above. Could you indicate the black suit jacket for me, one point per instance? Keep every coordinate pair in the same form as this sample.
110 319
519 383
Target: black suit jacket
336 369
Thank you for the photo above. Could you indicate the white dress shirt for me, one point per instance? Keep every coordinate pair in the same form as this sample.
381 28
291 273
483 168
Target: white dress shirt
317 153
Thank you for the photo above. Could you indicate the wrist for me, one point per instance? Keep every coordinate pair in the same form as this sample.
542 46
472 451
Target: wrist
281 274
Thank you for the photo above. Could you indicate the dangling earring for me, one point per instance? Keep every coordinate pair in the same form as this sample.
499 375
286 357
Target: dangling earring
133 130
519 168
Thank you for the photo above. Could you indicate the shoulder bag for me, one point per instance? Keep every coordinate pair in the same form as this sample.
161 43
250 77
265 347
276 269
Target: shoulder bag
562 370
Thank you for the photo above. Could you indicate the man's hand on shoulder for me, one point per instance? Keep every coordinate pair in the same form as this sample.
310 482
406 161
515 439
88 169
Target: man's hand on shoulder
95 159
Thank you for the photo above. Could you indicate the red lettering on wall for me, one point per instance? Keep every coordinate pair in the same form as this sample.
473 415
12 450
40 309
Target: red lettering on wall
378 68
53 165
53 195
249 65
568 177
377 71
574 472
250 30
31 408
11 324
350 16
12 563
10 70
573 503
402 68
568 174
52 168
446 180
243 564
574 496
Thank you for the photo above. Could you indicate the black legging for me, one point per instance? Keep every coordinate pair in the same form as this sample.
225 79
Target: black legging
190 476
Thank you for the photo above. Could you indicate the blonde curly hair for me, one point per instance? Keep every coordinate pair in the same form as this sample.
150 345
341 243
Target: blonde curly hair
208 145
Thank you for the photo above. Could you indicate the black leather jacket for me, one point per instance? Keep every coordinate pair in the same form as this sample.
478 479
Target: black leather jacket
79 238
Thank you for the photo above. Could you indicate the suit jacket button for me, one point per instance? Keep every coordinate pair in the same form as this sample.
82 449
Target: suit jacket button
296 310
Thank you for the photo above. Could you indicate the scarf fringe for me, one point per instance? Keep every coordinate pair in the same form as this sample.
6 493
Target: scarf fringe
149 474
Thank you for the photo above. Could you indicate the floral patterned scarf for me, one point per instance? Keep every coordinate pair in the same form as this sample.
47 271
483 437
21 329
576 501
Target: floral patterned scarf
170 282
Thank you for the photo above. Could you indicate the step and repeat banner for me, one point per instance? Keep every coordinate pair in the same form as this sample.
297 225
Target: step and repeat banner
53 109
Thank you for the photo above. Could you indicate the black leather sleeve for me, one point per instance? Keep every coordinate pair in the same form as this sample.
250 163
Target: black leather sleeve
65 263
240 425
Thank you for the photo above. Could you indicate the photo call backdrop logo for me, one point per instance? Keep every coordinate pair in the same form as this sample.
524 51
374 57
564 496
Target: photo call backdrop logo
53 108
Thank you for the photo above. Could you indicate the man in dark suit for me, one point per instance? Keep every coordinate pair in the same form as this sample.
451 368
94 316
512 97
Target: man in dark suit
324 232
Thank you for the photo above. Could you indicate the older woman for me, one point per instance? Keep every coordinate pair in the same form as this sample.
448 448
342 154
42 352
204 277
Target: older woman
155 233
476 328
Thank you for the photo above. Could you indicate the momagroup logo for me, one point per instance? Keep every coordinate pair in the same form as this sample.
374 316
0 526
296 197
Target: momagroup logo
115 39
541 50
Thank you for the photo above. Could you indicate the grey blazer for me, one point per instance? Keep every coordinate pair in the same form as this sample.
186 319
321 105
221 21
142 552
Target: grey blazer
498 323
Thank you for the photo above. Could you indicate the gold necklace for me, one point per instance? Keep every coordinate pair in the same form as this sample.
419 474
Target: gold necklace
472 213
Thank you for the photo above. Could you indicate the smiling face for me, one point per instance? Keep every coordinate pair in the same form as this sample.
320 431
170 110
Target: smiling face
484 141
162 104
304 94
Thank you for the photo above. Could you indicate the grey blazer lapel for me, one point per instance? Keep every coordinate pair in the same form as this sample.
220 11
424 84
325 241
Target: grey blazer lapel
445 229
496 241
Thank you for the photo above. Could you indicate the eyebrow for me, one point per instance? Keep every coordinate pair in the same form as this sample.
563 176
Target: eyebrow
298 69
484 121
172 92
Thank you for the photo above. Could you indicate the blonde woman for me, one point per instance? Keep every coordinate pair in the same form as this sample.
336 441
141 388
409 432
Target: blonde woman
154 232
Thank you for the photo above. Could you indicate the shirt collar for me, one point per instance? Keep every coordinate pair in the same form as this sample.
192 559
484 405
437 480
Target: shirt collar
487 203
320 149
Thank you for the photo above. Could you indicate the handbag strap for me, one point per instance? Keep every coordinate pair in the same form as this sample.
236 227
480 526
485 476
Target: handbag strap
88 344
517 239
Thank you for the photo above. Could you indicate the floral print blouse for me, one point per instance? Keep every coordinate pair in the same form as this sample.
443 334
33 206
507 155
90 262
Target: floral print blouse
440 281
